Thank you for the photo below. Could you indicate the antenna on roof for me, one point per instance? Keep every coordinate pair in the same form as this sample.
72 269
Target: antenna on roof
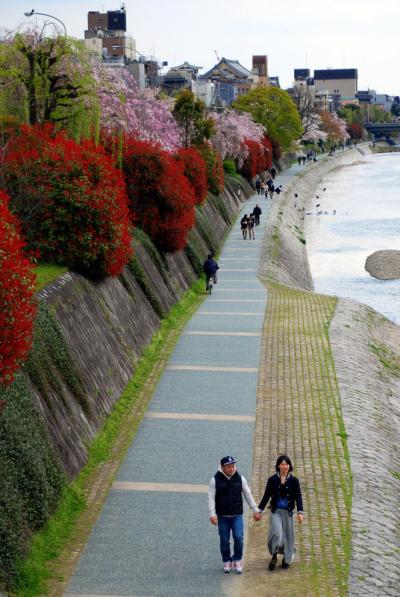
216 53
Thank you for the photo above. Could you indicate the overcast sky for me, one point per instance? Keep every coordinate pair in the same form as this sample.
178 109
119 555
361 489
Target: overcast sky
313 34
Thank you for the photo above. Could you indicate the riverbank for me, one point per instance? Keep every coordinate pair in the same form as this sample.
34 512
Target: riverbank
365 370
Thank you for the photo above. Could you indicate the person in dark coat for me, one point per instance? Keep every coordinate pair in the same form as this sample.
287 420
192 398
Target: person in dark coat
210 267
284 494
257 213
244 225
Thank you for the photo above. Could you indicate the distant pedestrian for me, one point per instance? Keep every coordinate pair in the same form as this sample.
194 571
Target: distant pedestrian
271 191
257 213
250 226
258 185
225 508
303 158
284 493
243 226
273 172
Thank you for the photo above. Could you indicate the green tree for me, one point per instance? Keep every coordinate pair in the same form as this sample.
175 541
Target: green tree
191 116
273 108
44 79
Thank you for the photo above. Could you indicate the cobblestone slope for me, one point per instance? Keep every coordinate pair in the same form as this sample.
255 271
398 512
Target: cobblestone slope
299 413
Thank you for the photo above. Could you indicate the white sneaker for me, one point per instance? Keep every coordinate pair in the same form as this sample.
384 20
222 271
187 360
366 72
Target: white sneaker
238 566
227 567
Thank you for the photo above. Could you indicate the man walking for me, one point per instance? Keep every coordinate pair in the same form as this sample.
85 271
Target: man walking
225 507
257 213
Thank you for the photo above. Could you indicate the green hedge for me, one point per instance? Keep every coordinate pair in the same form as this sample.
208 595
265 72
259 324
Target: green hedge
31 480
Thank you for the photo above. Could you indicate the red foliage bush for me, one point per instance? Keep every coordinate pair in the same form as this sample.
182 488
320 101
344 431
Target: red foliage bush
268 152
355 130
258 159
70 199
215 169
161 199
195 170
17 285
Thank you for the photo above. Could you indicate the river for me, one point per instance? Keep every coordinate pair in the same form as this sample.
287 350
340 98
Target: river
358 214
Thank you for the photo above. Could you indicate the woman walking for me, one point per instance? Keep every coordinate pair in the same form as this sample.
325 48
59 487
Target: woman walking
244 226
283 489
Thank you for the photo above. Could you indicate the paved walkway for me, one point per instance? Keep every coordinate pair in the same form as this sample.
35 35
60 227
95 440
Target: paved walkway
153 536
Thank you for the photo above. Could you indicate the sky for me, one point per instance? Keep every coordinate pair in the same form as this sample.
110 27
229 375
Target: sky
314 34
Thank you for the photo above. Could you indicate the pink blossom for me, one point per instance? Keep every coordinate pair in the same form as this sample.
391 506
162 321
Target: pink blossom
123 106
232 129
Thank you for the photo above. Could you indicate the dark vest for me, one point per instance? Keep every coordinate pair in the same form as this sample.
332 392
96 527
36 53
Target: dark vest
228 495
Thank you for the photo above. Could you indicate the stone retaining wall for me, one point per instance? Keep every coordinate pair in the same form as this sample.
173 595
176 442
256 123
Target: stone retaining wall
366 352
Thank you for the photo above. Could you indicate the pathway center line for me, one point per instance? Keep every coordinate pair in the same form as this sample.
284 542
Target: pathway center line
200 417
163 487
211 368
253 334
245 314
210 300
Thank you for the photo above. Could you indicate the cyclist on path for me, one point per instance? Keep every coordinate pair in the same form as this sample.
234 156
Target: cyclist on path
210 267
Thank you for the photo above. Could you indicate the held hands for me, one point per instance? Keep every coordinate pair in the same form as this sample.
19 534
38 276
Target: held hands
300 518
257 516
214 520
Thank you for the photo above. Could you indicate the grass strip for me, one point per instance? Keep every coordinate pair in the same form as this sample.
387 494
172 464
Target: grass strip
50 563
47 273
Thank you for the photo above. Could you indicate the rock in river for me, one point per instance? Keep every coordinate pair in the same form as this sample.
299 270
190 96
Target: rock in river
384 265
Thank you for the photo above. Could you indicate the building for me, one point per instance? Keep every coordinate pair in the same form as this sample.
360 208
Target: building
274 82
307 97
260 70
231 80
110 27
180 77
338 81
117 49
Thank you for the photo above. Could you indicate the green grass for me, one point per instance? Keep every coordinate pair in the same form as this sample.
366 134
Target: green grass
46 273
387 358
59 531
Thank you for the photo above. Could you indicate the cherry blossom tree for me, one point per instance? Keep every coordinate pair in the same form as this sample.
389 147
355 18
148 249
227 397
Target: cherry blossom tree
139 113
232 129
334 126
313 132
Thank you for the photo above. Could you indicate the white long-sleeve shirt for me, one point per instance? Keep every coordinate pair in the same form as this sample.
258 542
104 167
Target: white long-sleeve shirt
245 490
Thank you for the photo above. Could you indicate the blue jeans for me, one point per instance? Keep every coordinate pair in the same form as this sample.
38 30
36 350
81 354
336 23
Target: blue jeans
226 524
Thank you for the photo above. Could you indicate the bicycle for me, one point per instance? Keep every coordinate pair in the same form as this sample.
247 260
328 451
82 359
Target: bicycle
210 284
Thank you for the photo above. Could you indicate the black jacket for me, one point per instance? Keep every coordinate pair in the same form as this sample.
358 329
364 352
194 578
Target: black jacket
210 266
228 495
273 491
